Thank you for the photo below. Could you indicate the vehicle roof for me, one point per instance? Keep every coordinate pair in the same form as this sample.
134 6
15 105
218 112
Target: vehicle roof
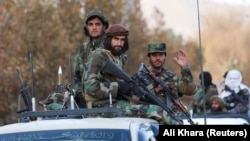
220 119
85 123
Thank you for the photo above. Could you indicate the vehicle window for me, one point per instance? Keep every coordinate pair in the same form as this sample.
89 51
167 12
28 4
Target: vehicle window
70 135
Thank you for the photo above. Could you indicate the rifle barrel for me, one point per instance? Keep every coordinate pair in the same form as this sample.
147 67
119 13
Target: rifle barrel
168 92
24 93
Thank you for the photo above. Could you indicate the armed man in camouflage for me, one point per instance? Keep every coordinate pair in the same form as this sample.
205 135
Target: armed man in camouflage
94 27
99 86
179 86
210 90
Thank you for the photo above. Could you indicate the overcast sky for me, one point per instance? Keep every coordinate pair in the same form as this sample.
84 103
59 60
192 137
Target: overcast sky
182 15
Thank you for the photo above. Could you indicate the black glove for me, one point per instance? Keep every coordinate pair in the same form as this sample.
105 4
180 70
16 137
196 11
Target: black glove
123 87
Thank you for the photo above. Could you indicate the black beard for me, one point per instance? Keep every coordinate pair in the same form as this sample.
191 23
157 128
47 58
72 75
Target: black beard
115 52
219 109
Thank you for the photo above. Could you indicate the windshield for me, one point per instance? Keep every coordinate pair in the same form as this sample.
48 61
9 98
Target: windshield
70 135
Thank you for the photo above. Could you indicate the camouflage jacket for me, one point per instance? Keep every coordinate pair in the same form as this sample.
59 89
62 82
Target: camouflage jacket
81 59
99 85
210 91
178 86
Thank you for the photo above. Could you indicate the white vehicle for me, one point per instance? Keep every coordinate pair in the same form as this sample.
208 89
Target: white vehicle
78 128
76 124
219 119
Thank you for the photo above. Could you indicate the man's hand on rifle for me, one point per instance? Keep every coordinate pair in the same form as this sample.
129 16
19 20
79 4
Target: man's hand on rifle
158 88
124 87
136 92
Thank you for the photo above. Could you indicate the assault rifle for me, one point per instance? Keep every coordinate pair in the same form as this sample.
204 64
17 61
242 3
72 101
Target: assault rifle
25 94
236 96
110 68
230 98
175 99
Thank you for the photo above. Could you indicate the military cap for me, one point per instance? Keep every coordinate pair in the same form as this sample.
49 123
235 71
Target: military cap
117 30
91 14
96 13
156 47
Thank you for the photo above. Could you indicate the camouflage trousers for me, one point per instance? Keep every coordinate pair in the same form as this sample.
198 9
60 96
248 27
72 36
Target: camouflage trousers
148 111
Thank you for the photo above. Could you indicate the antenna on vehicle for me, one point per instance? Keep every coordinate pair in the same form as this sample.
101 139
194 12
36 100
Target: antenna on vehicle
32 84
201 64
69 86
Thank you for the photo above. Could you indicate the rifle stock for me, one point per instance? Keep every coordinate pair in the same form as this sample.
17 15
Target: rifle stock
25 94
110 68
176 100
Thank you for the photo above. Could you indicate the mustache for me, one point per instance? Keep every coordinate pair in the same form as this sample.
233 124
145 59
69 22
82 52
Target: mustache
158 61
118 46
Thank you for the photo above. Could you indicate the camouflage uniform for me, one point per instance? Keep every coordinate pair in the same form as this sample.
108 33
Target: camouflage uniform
210 90
55 101
81 60
81 57
198 98
83 52
99 86
179 86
